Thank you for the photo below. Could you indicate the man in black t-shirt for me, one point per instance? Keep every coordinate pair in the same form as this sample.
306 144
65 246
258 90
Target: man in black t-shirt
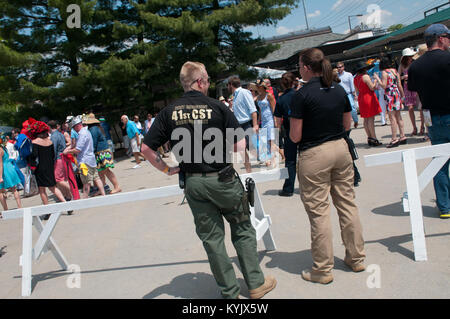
430 77
191 124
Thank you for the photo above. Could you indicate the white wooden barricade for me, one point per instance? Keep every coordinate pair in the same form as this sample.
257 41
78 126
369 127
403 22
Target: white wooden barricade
260 221
414 184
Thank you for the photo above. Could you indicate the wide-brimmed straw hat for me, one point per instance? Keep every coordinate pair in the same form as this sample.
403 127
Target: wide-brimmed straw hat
90 119
421 49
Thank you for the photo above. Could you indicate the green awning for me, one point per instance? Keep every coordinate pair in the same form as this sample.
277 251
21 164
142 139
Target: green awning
412 29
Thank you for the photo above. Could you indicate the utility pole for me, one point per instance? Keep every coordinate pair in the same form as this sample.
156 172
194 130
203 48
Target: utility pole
349 23
306 17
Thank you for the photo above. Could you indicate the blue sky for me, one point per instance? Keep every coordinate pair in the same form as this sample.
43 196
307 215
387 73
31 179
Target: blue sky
334 13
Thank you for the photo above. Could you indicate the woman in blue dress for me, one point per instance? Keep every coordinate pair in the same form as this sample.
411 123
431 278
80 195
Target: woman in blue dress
9 178
266 103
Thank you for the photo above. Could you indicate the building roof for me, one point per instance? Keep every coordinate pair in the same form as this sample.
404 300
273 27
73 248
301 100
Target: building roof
408 31
291 44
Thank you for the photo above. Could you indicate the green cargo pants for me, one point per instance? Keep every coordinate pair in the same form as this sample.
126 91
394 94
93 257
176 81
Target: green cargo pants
210 201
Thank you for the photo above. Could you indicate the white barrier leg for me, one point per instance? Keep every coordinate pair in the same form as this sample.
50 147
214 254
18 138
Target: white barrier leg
27 252
50 244
415 205
262 223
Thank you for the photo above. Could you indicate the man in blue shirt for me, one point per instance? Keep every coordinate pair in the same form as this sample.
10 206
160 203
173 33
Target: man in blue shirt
244 109
106 128
135 141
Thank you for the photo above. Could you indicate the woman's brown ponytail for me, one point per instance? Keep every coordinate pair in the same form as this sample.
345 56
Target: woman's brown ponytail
315 59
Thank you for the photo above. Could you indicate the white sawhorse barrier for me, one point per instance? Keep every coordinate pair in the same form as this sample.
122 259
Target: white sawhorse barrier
415 184
260 221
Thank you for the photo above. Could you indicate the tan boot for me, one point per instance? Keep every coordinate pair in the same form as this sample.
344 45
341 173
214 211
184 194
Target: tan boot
269 284
321 279
356 267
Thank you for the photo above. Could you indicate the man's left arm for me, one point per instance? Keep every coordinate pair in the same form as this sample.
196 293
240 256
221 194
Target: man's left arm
155 159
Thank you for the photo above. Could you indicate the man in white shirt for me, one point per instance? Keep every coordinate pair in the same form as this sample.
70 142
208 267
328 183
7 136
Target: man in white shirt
245 112
347 83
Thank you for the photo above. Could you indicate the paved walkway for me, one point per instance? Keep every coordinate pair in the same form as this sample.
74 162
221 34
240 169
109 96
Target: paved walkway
150 249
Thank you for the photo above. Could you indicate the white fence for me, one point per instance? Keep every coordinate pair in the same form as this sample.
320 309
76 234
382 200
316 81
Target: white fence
260 221
415 184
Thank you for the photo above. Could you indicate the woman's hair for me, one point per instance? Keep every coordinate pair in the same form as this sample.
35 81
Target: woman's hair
315 59
385 63
42 134
287 79
404 59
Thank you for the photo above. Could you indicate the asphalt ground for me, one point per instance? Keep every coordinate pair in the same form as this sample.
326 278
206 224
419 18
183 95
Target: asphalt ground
149 249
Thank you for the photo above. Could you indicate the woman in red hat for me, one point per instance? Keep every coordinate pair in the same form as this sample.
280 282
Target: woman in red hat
42 160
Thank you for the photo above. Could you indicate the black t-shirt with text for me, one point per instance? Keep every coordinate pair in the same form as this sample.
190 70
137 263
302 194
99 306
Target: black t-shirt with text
322 110
430 77
198 121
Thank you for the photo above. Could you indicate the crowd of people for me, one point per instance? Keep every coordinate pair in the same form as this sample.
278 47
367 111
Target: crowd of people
54 155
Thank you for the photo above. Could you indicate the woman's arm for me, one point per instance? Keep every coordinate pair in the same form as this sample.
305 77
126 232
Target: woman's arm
383 80
1 164
295 132
272 102
347 120
400 86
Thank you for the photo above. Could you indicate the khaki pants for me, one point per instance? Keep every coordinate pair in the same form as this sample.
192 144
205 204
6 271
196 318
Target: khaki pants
323 170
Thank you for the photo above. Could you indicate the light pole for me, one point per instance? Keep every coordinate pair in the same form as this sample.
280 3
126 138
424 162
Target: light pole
306 16
349 24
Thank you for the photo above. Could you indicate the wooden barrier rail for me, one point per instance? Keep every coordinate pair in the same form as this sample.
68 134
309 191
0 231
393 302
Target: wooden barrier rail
260 221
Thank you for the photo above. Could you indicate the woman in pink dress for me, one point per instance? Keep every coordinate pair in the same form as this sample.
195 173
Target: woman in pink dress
410 97
368 102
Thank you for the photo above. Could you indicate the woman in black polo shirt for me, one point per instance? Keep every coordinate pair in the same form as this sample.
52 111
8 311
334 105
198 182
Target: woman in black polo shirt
321 113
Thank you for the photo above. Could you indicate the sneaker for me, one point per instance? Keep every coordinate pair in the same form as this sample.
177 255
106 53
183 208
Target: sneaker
445 215
321 279
268 285
136 166
107 189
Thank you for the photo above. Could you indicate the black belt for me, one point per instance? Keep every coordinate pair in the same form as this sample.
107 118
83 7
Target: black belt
203 174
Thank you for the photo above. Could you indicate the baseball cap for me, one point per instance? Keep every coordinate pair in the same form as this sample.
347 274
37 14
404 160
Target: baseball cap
436 29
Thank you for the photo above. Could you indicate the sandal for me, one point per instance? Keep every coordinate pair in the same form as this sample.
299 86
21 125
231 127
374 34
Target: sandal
393 143
373 142
403 141
422 131
414 132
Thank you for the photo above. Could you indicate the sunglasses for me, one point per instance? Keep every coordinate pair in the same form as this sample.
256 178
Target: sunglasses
445 36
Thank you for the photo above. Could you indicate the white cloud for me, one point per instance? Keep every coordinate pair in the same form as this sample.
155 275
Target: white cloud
283 30
337 4
314 14
376 18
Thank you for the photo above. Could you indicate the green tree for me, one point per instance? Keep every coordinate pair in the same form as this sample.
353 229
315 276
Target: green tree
395 27
128 53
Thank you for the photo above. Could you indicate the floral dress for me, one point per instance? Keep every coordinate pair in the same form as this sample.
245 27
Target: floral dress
392 93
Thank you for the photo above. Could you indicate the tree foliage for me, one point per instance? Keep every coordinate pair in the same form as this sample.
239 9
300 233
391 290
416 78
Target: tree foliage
127 53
